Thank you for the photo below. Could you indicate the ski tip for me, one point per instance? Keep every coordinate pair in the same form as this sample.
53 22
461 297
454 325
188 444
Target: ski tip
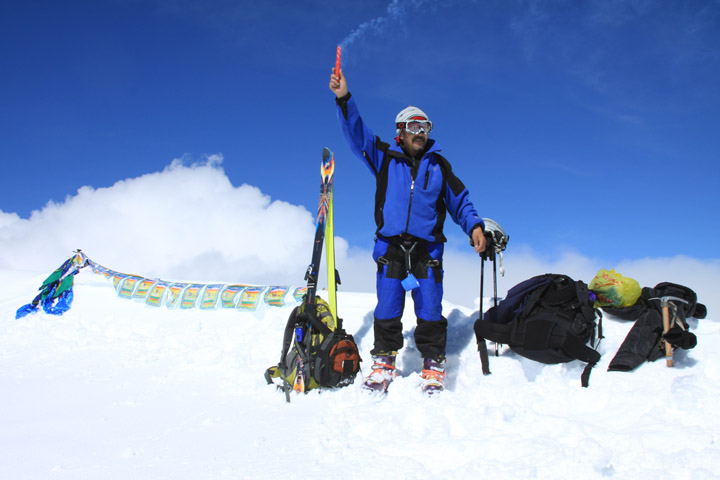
327 167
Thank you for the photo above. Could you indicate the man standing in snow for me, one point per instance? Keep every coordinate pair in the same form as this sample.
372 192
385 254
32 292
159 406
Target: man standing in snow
415 188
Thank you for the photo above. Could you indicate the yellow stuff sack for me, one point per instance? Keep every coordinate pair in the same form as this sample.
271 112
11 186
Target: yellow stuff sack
614 290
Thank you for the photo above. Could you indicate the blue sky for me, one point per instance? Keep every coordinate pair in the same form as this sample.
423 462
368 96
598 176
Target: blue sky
589 126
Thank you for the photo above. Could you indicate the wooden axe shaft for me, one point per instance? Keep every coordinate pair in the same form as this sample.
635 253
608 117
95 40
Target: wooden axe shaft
666 328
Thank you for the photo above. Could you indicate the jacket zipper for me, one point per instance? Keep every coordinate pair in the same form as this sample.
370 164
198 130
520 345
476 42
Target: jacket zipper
412 190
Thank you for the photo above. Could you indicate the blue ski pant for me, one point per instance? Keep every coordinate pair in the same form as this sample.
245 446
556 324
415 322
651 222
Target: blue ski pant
431 330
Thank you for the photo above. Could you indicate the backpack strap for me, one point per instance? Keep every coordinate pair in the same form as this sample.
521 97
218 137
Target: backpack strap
496 332
500 333
290 338
484 360
574 347
496 324
588 310
279 369
541 333
544 334
315 322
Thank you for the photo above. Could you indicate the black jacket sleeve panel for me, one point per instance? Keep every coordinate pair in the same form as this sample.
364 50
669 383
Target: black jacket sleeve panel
342 103
640 343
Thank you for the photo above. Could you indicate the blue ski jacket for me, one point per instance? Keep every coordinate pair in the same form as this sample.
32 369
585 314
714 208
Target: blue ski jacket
412 196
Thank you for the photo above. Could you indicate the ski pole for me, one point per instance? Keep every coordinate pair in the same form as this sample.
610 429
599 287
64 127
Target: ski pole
482 283
495 296
482 346
483 257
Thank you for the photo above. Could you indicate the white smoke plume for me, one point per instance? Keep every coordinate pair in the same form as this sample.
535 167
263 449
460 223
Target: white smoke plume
393 18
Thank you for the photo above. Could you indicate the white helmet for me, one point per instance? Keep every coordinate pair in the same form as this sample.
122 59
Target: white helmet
407 114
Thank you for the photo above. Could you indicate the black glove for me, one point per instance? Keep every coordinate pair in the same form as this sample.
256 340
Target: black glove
680 338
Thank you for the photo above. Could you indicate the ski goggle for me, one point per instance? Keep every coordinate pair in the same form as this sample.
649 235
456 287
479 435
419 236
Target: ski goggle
418 126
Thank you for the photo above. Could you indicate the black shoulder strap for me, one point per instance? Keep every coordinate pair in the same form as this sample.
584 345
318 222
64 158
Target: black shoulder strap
443 163
496 332
455 184
484 360
315 322
583 295
288 337
281 368
384 147
500 333
544 335
533 298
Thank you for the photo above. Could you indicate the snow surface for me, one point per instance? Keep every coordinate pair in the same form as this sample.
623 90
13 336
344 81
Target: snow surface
115 389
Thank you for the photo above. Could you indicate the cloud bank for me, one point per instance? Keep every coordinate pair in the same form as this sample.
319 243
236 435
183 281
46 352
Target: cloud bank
188 222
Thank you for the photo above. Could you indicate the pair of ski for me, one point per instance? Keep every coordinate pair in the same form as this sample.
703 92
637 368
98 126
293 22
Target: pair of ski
324 234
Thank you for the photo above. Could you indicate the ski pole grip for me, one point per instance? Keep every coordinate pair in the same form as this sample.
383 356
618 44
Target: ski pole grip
489 241
489 245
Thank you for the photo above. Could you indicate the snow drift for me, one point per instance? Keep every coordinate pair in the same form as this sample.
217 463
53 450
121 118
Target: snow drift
117 389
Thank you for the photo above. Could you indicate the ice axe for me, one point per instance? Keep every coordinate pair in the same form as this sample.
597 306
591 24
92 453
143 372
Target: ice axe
665 304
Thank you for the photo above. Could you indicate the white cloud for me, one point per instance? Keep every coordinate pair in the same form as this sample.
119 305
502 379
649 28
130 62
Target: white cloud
7 219
189 223
184 223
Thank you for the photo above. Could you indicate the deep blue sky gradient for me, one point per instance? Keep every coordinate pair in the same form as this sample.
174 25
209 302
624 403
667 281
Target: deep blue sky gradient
591 126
